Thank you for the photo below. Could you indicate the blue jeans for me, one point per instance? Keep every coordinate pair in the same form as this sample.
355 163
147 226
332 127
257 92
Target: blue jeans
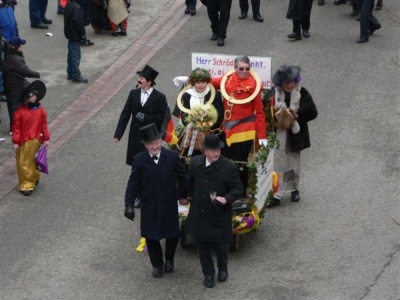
74 60
37 11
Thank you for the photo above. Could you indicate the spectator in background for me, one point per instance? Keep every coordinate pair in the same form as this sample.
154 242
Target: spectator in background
190 7
37 14
255 6
219 13
118 14
74 31
8 23
368 23
15 72
299 12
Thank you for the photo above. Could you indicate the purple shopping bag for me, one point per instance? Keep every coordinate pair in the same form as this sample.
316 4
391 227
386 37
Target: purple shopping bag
41 160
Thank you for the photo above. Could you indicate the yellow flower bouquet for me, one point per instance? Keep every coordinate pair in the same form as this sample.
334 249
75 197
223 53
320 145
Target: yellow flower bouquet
203 117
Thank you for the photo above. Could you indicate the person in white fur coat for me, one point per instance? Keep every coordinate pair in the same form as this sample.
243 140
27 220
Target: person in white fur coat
294 108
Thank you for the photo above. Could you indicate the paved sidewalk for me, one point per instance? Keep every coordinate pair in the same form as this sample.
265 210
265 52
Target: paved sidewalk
104 88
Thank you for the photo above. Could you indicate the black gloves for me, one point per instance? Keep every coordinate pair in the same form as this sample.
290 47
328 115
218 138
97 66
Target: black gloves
129 212
140 116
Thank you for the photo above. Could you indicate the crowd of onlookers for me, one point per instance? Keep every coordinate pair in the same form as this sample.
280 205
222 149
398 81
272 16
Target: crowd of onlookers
103 15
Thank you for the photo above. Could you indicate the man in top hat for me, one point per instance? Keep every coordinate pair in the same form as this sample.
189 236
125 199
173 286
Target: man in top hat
146 105
155 173
15 72
214 184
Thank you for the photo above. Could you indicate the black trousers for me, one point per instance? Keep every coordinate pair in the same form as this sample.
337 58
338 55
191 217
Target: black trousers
367 19
206 261
239 152
219 12
304 22
156 252
255 6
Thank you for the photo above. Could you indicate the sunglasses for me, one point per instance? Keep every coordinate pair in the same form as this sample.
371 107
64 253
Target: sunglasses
243 68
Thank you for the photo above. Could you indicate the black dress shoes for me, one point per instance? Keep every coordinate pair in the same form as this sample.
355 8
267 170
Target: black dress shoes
242 15
258 18
338 2
377 27
26 193
80 80
295 196
214 37
222 275
209 281
192 12
220 42
47 21
187 11
360 41
40 26
169 266
306 34
295 36
273 202
157 272
137 203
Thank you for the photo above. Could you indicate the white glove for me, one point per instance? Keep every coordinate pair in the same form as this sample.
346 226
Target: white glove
178 81
263 142
296 127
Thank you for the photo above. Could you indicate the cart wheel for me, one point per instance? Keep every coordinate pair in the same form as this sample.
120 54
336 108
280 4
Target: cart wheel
234 244
183 236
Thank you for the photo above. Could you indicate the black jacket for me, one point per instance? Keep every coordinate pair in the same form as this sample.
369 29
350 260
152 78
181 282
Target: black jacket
307 112
74 27
15 71
154 111
207 222
299 9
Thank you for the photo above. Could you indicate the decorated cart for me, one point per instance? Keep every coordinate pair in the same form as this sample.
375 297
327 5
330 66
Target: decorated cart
247 211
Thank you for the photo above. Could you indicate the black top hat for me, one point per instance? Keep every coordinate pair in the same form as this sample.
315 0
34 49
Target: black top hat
149 73
212 141
37 88
149 133
285 74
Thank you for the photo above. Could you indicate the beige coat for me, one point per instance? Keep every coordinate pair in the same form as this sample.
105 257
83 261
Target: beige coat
116 11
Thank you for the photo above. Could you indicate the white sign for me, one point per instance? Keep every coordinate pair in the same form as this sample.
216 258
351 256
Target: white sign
264 180
219 64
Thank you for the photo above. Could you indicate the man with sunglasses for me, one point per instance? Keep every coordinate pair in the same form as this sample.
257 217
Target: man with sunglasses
244 120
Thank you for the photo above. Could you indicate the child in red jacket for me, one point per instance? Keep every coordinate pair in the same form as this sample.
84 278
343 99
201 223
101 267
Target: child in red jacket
29 131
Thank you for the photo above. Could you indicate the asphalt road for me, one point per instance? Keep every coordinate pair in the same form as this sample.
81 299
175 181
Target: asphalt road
69 240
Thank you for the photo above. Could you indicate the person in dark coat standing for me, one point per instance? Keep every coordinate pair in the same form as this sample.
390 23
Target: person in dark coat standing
293 135
74 31
15 72
214 184
154 176
299 12
219 12
368 23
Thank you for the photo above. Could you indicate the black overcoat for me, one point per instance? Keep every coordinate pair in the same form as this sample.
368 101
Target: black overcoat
206 222
299 9
306 113
154 110
159 191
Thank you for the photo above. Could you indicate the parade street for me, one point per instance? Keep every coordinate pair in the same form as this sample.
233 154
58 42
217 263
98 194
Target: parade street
70 239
